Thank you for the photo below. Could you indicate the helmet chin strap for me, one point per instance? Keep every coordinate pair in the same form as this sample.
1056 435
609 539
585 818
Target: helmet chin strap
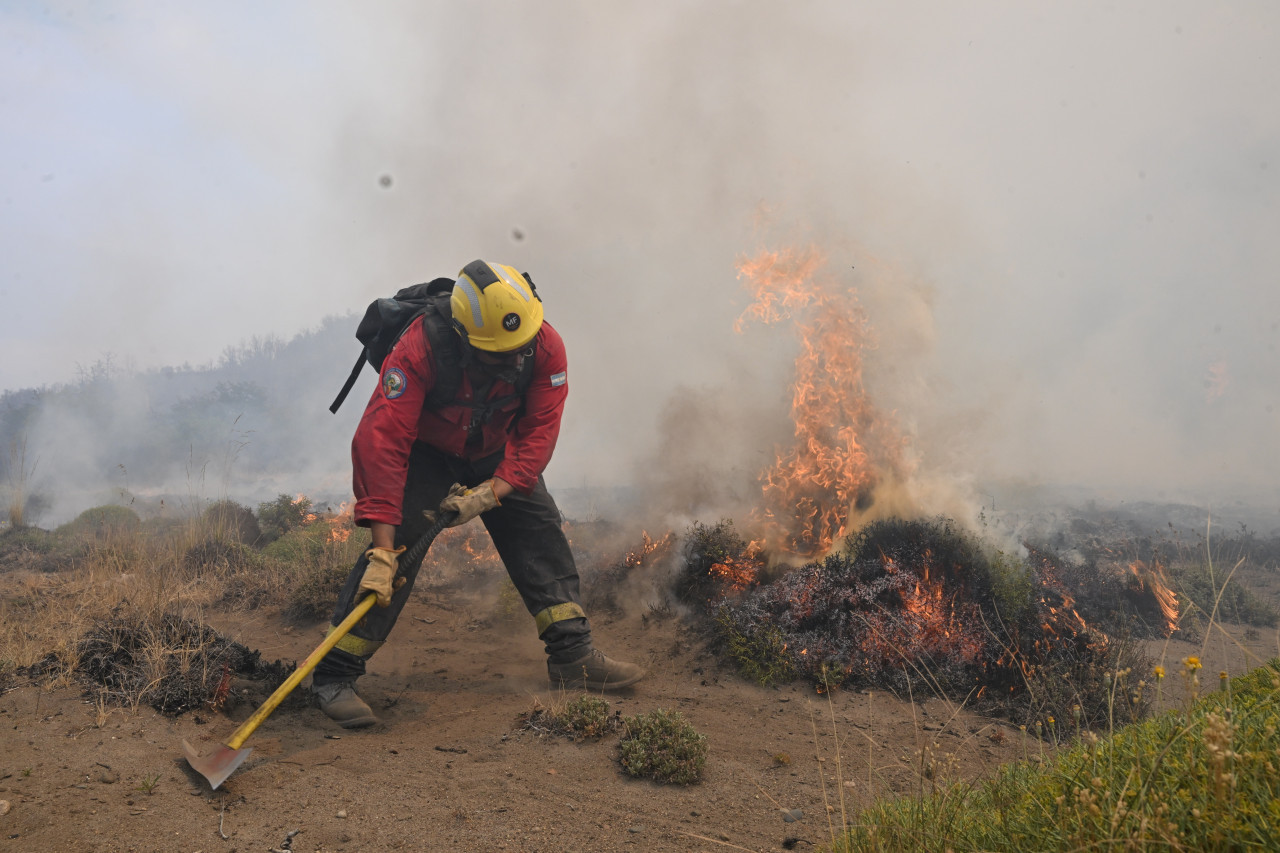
509 373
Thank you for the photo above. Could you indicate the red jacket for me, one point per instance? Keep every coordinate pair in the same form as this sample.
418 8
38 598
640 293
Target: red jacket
396 417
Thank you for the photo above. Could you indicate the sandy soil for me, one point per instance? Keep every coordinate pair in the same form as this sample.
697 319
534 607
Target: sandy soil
452 766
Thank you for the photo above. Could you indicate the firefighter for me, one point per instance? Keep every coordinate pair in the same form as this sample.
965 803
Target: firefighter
478 451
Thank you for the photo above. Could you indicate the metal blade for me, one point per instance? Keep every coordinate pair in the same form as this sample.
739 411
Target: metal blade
217 766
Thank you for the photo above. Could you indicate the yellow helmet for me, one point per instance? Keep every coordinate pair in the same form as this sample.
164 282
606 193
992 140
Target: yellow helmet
495 307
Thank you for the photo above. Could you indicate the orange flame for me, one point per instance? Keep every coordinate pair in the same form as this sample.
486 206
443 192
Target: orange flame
740 574
1152 579
811 487
341 524
648 545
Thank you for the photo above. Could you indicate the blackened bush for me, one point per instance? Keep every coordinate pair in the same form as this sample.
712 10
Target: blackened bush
914 606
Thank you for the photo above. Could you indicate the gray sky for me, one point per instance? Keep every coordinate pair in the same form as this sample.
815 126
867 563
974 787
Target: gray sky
1061 218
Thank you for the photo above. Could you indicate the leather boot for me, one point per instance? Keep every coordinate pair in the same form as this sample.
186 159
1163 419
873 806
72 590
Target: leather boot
340 702
594 671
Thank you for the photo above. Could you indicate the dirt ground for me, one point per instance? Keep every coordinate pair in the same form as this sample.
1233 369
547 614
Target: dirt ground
452 767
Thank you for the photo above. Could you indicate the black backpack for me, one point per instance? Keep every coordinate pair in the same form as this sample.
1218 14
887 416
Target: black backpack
386 320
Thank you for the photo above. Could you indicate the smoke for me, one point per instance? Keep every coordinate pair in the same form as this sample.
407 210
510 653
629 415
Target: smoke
1070 214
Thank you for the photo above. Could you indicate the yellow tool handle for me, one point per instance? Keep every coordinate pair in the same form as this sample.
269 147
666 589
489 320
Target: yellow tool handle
304 669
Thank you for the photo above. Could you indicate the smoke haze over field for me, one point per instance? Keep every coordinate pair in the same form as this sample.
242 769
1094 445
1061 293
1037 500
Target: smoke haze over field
1061 220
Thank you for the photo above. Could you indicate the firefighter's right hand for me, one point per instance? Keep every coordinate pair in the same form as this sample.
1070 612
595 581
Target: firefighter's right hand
380 575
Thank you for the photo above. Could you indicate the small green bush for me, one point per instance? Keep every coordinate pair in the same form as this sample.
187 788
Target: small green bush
577 719
662 746
101 522
1235 603
31 540
278 517
219 557
320 566
1012 587
316 594
510 606
228 520
759 654
39 550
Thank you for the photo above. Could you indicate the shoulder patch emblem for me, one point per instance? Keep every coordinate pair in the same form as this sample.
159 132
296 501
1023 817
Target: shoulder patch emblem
558 379
394 383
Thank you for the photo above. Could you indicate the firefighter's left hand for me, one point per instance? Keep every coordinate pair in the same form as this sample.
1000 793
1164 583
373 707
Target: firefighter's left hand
380 574
468 503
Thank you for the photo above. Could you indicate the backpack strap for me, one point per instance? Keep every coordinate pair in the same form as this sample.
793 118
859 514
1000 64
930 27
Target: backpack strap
446 353
350 383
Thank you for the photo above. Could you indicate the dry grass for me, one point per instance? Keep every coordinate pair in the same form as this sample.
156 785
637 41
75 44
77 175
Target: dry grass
100 572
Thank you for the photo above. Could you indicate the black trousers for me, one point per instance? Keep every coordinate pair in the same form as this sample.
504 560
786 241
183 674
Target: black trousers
526 532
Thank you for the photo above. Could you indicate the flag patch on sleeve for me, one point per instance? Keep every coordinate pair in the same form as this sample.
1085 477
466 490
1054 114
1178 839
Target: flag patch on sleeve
558 379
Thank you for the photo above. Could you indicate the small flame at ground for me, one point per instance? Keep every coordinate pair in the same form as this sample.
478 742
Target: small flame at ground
340 525
1151 579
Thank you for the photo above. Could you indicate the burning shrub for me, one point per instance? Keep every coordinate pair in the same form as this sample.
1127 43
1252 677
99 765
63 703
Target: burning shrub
278 517
910 605
662 746
1129 596
604 589
715 564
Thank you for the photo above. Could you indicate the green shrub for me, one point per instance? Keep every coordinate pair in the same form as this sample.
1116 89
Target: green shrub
510 606
662 746
316 593
39 550
577 719
230 521
29 540
1012 587
220 557
759 653
278 517
101 522
1235 603
320 566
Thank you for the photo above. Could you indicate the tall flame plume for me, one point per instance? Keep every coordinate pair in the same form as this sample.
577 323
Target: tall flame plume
831 466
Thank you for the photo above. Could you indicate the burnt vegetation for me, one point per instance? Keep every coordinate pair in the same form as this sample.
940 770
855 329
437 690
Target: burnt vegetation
924 608
173 664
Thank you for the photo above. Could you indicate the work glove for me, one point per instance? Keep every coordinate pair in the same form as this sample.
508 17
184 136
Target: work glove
380 575
468 503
